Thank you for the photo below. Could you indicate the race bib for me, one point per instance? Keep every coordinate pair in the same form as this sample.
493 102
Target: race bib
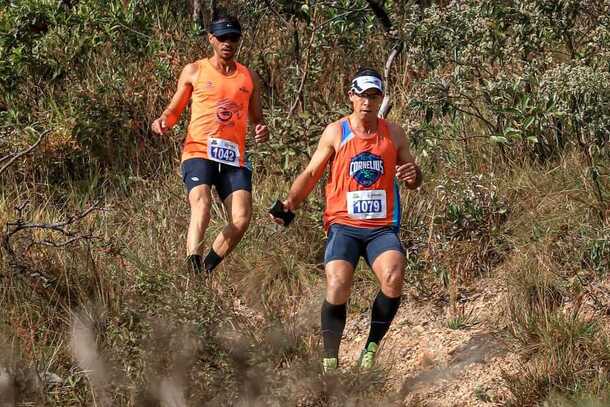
367 204
223 151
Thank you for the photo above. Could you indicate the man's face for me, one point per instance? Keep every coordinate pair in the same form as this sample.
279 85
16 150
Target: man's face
224 46
367 103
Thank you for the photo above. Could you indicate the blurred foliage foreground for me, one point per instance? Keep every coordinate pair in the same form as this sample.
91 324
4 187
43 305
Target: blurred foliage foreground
507 106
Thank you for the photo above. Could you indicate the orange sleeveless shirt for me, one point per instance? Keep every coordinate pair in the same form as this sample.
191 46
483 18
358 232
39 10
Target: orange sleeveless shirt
362 190
219 115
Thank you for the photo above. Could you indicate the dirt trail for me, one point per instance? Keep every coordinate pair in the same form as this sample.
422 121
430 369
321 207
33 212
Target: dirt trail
430 364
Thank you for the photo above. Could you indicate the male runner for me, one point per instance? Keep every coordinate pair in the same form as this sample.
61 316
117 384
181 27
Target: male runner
224 95
366 156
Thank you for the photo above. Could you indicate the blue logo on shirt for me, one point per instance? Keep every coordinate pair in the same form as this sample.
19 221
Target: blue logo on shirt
366 168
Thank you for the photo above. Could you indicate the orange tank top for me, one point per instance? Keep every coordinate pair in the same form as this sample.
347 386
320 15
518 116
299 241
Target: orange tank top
219 115
362 190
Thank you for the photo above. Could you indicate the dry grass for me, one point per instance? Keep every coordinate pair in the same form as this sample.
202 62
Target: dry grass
159 333
118 320
552 313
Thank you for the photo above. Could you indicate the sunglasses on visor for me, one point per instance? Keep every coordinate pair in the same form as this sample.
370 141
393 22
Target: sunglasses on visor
228 37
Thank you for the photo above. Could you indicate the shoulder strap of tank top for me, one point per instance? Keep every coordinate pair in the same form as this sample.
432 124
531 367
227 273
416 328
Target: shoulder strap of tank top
243 69
202 65
382 127
346 132
384 130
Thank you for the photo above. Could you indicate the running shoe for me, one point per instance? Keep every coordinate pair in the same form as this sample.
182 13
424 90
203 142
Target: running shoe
329 365
367 357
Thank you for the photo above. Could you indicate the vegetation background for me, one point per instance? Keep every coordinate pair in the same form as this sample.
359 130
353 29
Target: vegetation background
507 107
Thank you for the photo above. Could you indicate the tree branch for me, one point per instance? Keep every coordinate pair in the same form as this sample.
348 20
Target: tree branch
276 13
299 95
12 159
12 228
382 16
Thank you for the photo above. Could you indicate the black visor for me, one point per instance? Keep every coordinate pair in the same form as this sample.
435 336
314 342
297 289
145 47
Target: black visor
220 28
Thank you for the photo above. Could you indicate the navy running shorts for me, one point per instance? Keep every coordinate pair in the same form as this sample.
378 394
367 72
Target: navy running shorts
349 243
226 178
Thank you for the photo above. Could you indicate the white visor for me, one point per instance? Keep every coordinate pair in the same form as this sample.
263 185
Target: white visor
362 83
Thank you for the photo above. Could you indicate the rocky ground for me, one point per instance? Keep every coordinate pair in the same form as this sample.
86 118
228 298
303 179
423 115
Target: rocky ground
428 363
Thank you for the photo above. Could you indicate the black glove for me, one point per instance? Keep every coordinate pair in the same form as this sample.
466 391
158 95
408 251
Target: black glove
278 211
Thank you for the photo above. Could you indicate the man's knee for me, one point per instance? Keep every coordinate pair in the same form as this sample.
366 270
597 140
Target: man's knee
200 200
392 276
241 222
338 287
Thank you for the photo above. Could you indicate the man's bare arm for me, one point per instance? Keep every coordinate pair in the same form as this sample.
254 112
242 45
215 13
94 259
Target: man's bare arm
176 106
407 170
255 110
305 182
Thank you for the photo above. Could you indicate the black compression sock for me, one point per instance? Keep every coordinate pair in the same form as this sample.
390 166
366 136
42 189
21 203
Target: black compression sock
384 310
333 323
194 261
211 261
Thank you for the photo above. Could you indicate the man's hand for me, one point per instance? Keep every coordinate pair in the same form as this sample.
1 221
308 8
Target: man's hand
407 173
159 126
261 133
288 210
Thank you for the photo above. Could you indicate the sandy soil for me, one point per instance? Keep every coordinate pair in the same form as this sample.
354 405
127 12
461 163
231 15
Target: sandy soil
429 364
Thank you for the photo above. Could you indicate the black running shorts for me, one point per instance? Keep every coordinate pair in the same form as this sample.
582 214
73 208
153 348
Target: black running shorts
226 178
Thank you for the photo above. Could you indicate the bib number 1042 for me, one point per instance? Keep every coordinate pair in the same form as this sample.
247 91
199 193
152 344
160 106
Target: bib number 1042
223 151
367 204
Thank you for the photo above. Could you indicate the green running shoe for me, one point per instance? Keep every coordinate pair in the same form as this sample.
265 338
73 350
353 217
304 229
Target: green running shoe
367 357
329 365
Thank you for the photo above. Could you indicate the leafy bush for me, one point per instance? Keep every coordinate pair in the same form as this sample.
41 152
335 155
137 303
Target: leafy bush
501 68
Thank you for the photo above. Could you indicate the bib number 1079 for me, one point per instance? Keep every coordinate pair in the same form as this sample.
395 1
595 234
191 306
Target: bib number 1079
369 204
